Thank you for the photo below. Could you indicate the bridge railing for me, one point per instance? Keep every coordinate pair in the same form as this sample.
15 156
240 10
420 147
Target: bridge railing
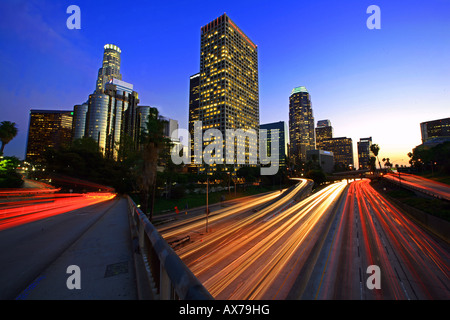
165 271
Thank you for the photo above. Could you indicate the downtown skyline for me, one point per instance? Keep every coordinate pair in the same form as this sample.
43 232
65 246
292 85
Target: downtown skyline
368 83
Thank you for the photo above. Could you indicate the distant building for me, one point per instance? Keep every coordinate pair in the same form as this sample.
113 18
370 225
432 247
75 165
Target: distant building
282 140
342 149
364 152
435 129
324 131
301 124
48 129
323 158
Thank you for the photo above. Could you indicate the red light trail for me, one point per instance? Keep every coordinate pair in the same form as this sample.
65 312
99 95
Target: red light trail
15 212
371 231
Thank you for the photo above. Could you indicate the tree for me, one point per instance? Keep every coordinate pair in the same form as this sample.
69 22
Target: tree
8 131
153 144
375 148
9 178
387 163
317 175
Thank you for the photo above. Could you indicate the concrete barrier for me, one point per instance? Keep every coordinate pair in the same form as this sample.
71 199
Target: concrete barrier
167 275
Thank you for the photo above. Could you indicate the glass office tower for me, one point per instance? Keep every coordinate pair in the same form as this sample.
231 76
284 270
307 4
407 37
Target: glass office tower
324 131
228 81
79 120
112 108
112 114
110 66
301 124
364 152
282 140
342 148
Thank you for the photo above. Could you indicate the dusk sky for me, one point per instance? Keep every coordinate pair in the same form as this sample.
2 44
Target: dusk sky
379 83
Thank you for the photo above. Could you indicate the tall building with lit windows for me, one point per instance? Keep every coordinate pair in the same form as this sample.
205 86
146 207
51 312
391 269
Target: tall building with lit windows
364 152
112 109
48 129
110 66
112 114
194 107
324 131
301 124
228 82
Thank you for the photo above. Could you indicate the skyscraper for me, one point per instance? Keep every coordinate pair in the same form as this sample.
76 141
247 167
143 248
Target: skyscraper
301 124
47 129
342 149
79 120
324 131
110 66
364 152
112 108
194 109
282 140
228 80
112 114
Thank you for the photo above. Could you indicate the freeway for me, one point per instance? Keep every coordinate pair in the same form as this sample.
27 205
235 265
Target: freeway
371 231
255 256
325 246
195 224
437 189
55 231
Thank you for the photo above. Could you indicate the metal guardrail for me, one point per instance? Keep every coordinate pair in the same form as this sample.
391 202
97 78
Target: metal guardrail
166 272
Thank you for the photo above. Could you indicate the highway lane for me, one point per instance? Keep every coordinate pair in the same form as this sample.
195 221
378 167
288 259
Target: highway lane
439 189
195 225
256 256
26 249
371 231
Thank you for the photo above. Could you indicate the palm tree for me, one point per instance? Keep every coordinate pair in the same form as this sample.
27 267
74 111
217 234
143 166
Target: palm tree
153 142
375 149
8 131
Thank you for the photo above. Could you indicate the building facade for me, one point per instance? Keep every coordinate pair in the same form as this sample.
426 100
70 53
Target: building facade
48 129
301 125
79 120
364 153
324 131
112 114
282 152
112 109
110 67
227 85
436 129
342 149
323 159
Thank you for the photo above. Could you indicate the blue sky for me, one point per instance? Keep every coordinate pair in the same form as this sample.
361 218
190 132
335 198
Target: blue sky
380 83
